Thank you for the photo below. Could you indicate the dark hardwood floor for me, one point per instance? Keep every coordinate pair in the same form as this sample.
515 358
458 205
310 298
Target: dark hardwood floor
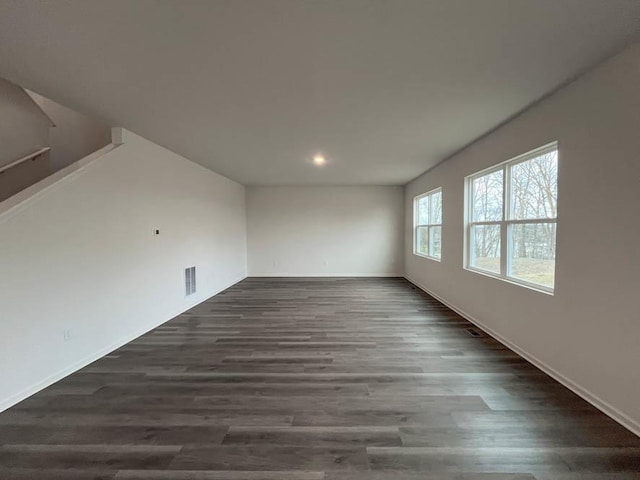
301 379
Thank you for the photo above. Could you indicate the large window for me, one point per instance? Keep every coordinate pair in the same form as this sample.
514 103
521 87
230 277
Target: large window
512 216
427 224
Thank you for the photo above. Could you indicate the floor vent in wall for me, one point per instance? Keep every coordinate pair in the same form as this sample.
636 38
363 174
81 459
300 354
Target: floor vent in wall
190 280
473 332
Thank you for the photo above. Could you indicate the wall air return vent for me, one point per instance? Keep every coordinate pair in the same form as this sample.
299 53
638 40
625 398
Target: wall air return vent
190 280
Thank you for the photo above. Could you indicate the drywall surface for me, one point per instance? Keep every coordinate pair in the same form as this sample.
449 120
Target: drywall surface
22 175
24 128
587 332
324 231
74 135
81 271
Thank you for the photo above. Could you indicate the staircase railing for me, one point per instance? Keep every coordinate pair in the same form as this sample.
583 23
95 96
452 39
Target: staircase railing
31 156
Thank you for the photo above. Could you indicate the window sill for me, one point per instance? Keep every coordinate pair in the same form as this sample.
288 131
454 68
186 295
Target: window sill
513 281
435 259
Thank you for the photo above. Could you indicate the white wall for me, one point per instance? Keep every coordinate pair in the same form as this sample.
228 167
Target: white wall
23 127
80 255
325 231
23 175
74 135
588 333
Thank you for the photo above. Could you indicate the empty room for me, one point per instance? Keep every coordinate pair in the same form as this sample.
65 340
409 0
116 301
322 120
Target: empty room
319 240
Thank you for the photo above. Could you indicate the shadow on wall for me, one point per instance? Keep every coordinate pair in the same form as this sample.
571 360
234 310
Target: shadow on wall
38 137
74 135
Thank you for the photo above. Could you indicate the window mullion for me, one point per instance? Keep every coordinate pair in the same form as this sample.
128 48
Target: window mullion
416 221
506 191
428 209
470 245
533 221
466 260
532 178
506 214
503 249
490 222
423 232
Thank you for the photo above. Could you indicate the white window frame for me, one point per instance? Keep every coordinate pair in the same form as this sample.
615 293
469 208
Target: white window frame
429 225
506 222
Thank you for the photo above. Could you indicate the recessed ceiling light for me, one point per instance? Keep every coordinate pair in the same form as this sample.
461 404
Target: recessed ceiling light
319 160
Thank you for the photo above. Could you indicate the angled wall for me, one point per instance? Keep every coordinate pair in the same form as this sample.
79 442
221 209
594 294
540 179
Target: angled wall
81 270
587 333
24 128
74 135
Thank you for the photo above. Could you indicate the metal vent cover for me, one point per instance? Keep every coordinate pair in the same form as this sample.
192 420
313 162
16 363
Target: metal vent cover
190 280
473 332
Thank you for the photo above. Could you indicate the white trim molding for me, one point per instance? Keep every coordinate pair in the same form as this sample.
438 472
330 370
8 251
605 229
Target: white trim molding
430 225
326 275
74 367
507 219
605 407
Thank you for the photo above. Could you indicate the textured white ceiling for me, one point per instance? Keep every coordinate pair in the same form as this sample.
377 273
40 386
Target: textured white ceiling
252 89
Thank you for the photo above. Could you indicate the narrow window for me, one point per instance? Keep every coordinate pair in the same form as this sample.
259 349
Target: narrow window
512 218
427 224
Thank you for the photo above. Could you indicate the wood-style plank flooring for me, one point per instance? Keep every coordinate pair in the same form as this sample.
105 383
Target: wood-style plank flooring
309 379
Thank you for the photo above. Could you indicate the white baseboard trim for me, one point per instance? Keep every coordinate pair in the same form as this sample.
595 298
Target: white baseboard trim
59 375
622 418
325 275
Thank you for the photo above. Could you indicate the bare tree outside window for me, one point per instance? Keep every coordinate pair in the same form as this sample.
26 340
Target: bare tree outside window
513 216
428 224
488 193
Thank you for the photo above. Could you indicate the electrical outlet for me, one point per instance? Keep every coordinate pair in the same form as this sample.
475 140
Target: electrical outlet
66 335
